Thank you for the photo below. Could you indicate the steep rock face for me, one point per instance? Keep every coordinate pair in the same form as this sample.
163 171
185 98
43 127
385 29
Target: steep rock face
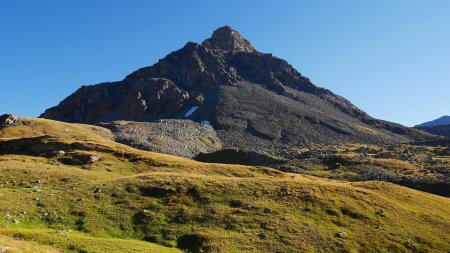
145 99
254 100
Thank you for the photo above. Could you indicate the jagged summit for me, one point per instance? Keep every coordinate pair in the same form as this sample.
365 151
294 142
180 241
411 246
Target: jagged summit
226 38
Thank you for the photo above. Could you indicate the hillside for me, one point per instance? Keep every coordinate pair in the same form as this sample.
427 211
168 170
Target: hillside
68 187
253 100
421 167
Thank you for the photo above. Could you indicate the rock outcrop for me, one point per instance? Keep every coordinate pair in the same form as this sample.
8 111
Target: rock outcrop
226 38
9 120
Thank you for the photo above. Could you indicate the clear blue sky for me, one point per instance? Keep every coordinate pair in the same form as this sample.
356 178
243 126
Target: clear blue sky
390 58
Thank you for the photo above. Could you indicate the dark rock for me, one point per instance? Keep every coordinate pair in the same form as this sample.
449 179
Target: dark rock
262 236
335 166
97 189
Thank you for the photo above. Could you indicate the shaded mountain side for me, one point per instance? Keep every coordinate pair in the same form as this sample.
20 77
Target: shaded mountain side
252 99
442 130
444 120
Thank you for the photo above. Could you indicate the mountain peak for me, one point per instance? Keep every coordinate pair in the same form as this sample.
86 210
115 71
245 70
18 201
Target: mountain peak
226 38
444 120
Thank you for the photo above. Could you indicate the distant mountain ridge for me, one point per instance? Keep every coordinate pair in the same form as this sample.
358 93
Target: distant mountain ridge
444 120
443 130
252 99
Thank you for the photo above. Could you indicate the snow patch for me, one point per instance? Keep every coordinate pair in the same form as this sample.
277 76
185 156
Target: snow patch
204 123
191 111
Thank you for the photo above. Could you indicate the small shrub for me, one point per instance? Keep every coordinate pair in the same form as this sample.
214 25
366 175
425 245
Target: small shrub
352 214
191 243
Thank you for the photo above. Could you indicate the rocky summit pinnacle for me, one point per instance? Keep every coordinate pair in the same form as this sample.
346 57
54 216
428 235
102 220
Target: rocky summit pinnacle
226 38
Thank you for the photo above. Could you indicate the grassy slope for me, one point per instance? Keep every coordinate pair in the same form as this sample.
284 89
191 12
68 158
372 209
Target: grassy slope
170 200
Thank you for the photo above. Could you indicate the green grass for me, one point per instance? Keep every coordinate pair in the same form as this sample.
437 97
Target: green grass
148 199
73 241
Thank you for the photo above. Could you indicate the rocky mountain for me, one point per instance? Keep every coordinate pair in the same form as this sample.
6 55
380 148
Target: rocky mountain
444 120
253 100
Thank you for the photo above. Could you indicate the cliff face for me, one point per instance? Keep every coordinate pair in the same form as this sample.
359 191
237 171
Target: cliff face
254 100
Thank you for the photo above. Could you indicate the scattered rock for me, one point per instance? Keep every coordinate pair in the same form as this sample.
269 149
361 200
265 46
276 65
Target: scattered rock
15 221
97 189
79 159
181 137
4 249
341 234
59 152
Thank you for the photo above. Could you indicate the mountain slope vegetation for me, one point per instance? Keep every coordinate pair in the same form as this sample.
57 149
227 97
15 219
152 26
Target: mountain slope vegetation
69 187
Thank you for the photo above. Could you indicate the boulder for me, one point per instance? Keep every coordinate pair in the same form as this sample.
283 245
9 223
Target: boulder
341 234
